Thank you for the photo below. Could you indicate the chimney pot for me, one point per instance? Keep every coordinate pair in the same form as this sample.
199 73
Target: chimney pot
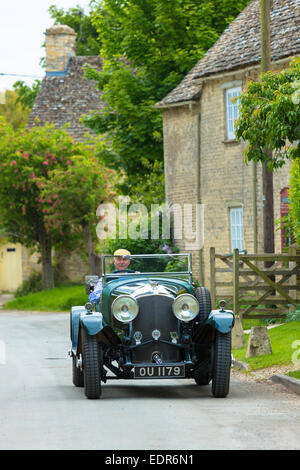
60 45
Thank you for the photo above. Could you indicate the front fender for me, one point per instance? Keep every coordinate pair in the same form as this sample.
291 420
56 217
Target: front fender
91 322
74 323
221 320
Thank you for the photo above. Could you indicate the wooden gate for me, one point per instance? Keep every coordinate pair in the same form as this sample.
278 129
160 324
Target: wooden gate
252 289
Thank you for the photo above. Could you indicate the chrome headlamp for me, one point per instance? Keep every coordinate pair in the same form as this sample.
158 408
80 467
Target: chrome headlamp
125 308
185 307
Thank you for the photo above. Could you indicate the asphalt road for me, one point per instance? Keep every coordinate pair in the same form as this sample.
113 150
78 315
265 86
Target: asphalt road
41 409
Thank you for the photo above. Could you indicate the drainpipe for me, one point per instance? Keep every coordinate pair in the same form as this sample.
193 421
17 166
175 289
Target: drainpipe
254 186
201 278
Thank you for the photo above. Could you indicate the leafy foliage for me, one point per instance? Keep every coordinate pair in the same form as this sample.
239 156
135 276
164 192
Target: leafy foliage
26 158
30 285
13 111
293 315
26 94
148 47
270 115
43 191
294 200
73 194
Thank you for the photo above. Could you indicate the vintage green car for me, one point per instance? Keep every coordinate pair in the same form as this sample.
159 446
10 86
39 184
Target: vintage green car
151 323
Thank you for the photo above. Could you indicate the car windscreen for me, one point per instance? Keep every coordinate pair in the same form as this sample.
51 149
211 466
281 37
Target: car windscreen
150 264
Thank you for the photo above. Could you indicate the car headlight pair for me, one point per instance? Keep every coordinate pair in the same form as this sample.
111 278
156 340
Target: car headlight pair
125 308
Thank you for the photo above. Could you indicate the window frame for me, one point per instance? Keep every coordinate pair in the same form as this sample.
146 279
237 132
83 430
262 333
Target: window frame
237 239
231 108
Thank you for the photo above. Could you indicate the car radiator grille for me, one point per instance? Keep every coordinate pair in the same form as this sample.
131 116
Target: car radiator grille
155 313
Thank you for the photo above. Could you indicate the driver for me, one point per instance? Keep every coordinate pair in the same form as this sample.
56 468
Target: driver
121 262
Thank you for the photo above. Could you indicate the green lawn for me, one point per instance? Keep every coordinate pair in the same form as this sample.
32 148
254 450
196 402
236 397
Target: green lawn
295 374
59 299
282 339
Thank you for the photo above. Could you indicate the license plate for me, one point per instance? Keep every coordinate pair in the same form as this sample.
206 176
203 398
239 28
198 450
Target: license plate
157 371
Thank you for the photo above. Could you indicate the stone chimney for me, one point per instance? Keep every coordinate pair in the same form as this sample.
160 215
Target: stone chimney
60 45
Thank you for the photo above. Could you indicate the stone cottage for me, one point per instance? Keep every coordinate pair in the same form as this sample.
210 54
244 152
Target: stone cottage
203 160
63 97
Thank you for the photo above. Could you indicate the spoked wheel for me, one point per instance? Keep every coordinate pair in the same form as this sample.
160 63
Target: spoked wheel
203 296
77 373
222 364
91 365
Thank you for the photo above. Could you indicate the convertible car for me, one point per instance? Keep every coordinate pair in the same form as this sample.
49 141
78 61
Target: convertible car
151 323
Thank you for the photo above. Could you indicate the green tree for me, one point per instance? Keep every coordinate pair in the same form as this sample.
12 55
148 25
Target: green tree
291 222
13 111
28 158
74 195
269 117
26 94
148 47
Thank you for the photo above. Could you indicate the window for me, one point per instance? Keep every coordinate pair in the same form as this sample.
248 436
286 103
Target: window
236 228
232 111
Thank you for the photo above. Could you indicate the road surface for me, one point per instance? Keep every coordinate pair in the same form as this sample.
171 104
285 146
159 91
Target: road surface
41 409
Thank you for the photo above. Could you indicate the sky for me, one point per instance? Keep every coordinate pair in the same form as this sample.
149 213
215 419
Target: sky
22 27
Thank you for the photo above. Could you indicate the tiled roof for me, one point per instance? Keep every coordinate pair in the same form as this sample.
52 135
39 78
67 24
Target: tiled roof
65 98
239 46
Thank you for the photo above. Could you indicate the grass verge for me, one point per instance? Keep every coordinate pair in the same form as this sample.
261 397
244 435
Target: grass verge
282 341
295 374
59 299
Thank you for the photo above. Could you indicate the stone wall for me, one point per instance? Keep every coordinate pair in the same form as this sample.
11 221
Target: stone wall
73 266
181 153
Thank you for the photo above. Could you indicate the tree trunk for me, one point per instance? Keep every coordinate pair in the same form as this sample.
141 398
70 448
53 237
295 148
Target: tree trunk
94 259
268 211
46 254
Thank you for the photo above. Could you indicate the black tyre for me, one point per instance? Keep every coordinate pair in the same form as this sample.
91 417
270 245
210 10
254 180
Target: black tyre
201 373
202 294
77 373
222 365
91 365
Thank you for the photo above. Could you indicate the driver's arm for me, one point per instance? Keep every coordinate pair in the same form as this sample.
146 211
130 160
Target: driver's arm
95 295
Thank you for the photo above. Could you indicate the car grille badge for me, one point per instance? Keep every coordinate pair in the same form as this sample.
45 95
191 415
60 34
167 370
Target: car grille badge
156 334
174 336
138 337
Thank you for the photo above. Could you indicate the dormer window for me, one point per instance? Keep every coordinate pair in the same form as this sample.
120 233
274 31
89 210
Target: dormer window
232 111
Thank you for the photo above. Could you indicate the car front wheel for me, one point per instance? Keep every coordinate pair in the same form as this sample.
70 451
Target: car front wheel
222 365
77 373
91 365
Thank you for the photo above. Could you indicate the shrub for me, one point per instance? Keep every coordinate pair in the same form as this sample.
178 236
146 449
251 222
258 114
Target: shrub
293 315
30 285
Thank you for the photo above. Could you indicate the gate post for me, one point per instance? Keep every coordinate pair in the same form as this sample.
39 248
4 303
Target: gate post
293 279
238 337
236 281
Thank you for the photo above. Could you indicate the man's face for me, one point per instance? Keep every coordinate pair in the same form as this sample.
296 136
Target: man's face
121 263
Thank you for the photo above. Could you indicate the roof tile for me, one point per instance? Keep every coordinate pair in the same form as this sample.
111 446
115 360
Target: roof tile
239 46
